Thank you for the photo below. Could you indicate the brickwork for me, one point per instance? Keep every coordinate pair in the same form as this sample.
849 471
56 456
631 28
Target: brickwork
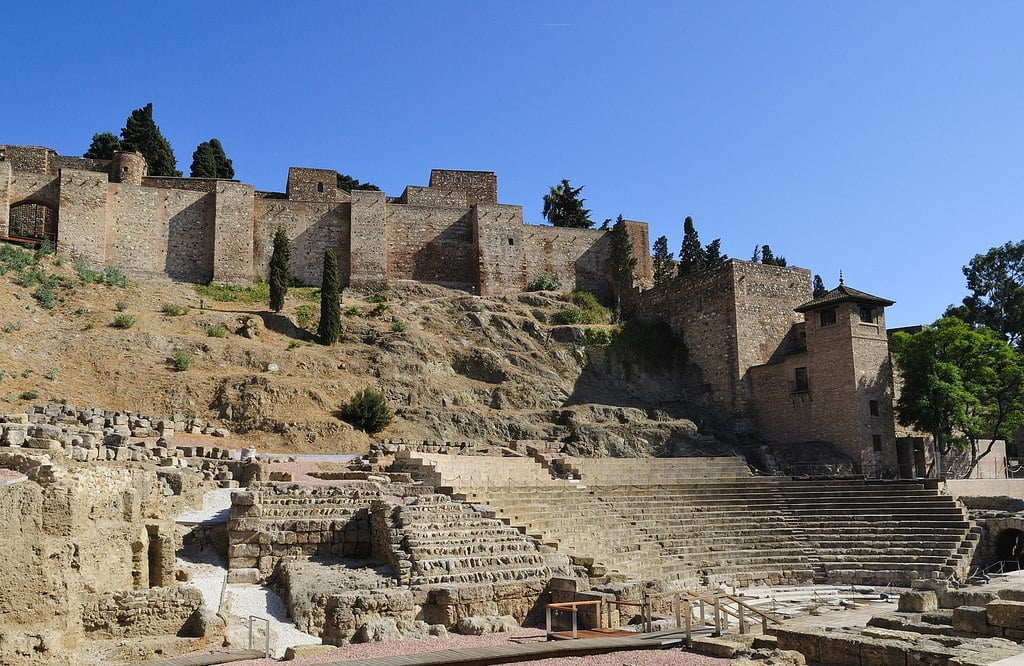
480 187
431 245
576 257
83 207
368 255
311 227
233 233
313 185
135 613
5 196
498 245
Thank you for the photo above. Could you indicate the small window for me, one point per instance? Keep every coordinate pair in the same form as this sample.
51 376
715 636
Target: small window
828 317
876 442
867 315
511 241
319 187
873 407
800 380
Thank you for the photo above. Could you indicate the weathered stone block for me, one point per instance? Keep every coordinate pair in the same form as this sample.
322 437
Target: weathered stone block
973 619
918 601
1004 613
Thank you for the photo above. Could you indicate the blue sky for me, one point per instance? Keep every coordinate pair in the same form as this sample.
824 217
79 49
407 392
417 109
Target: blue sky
884 139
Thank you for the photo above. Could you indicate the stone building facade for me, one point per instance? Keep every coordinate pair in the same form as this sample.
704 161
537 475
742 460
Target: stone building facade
775 362
452 232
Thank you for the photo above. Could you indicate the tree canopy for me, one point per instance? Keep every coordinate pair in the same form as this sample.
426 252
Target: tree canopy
348 183
819 287
210 161
996 282
694 257
103 146
563 206
623 263
765 256
279 273
140 133
962 385
664 267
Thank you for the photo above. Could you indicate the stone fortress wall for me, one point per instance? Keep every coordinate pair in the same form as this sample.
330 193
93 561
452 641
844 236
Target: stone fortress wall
452 232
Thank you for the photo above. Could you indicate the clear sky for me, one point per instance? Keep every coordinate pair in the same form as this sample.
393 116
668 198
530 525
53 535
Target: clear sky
884 139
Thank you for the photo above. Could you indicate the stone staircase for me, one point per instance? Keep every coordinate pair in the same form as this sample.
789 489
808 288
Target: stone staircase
708 521
438 542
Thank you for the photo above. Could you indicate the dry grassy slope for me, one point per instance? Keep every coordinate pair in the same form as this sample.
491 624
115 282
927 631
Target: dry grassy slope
465 368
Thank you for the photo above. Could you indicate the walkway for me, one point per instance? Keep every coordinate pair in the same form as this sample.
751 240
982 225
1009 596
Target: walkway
207 659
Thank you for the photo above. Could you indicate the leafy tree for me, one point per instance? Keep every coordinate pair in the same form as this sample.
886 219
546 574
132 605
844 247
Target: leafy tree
664 267
768 258
348 183
691 255
368 410
141 134
819 287
713 256
962 385
103 146
996 282
563 206
210 161
279 273
330 301
623 263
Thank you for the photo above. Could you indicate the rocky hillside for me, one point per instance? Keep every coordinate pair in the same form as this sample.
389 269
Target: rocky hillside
454 366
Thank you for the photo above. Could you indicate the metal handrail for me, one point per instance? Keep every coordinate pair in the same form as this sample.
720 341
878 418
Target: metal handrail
266 636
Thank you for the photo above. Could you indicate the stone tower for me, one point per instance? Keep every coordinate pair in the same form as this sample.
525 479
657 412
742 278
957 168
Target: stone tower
128 168
847 375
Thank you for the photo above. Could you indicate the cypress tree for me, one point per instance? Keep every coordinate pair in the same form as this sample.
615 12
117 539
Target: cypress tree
103 146
330 305
692 257
210 161
141 134
713 256
279 270
664 267
819 287
623 263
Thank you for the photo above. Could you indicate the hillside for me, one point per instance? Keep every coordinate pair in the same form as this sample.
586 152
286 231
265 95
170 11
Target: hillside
454 366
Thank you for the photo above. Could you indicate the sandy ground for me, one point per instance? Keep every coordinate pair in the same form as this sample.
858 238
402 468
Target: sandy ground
455 641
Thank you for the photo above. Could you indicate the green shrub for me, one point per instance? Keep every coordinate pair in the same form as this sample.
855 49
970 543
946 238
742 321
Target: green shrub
173 309
306 314
115 277
544 283
11 327
88 326
379 309
124 321
593 311
51 375
28 395
181 360
377 298
216 331
570 314
368 410
29 277
598 337
44 249
82 311
121 306
45 296
294 344
399 326
257 292
13 258
353 310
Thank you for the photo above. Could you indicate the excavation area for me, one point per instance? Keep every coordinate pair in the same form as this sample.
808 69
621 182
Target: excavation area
135 538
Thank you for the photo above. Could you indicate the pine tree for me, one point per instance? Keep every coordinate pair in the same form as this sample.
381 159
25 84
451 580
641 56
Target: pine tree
142 135
103 146
563 207
348 183
819 287
330 305
692 257
713 256
279 270
210 161
664 267
623 263
768 258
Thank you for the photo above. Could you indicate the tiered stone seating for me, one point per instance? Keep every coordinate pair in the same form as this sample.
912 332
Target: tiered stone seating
442 470
441 542
709 520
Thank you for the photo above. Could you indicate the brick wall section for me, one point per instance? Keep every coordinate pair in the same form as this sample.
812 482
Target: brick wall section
233 233
369 264
312 227
431 245
313 185
133 613
36 188
433 196
498 245
479 186
576 257
639 243
5 197
33 159
82 231
79 164
208 185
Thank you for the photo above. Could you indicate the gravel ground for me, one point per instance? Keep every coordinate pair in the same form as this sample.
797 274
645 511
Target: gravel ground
455 641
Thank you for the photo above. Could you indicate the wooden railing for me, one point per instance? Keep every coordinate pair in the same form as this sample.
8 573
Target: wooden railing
573 607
